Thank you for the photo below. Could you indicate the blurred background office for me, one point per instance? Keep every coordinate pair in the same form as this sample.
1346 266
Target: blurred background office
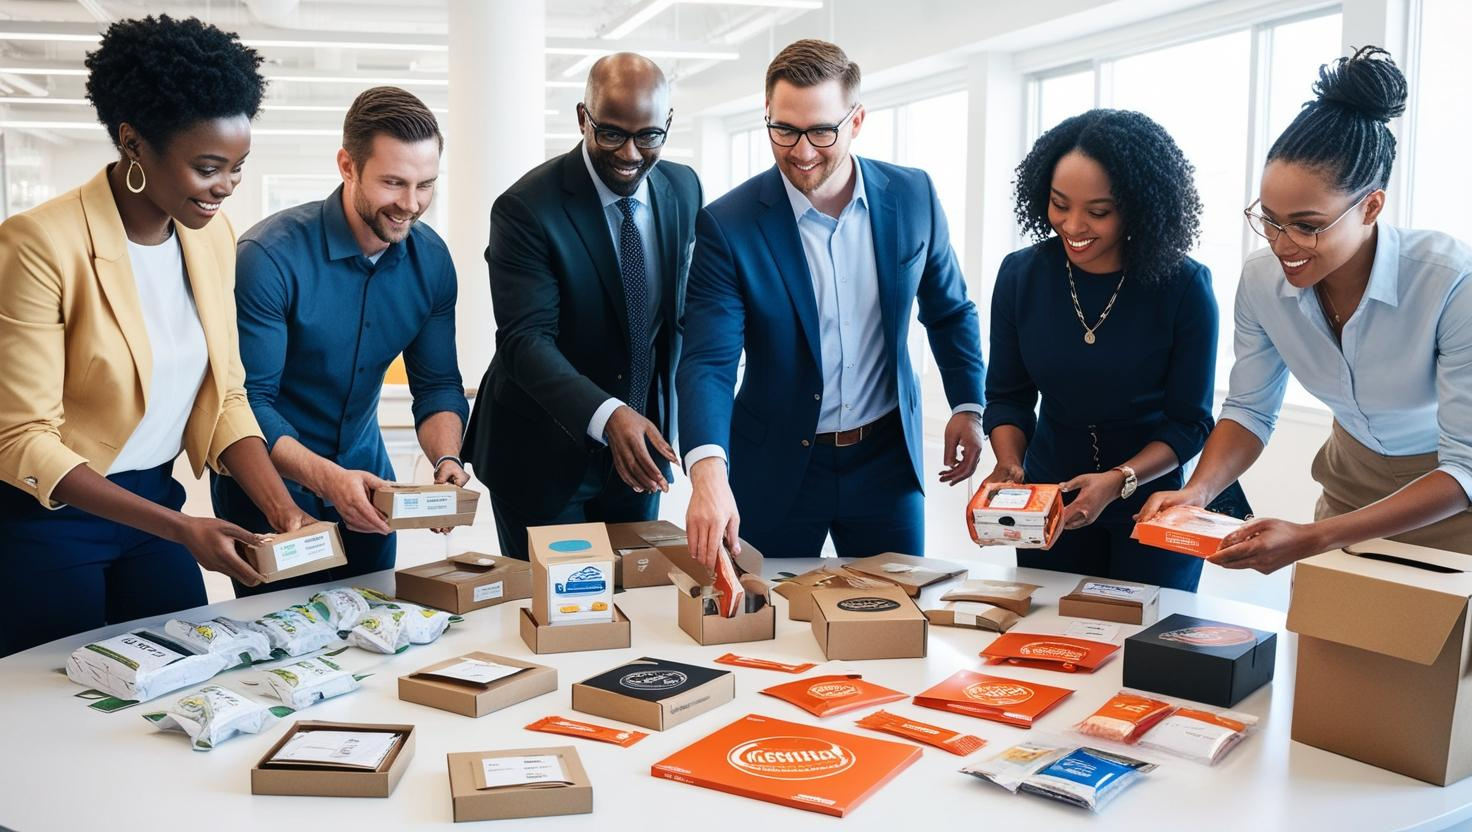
959 88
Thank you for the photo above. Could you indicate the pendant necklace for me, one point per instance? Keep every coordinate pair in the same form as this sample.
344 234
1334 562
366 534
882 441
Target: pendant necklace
1079 310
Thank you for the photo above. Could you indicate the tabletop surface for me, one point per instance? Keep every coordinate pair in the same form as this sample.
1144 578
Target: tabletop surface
68 767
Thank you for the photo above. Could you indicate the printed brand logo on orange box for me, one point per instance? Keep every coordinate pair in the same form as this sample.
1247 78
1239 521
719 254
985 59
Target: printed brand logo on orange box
791 758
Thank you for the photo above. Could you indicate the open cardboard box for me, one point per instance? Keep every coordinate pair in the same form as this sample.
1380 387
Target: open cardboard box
572 638
638 549
311 548
465 582
410 506
470 800
1384 671
266 778
476 700
572 574
910 572
881 623
1105 599
654 693
755 621
799 590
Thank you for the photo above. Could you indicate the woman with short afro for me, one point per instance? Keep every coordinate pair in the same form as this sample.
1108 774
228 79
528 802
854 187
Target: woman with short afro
1374 320
117 335
1109 321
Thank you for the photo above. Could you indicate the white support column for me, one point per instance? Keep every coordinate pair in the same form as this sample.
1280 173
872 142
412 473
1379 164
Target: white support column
994 134
496 134
712 156
1384 23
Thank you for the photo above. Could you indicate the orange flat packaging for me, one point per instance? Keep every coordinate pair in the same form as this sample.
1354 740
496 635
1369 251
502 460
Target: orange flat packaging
1024 515
912 729
1186 529
764 664
788 763
829 695
993 697
731 596
1125 717
1048 652
586 730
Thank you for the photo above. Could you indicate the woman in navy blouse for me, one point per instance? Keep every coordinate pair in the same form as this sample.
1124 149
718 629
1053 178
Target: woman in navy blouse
1115 327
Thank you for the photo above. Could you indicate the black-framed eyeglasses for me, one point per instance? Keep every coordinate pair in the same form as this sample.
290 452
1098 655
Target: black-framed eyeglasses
612 138
823 135
1302 234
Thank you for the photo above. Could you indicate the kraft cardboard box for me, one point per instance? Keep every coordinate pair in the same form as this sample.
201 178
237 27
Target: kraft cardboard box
572 574
311 548
472 799
1383 658
638 552
409 506
697 611
1013 596
880 623
573 638
654 693
907 571
451 685
798 591
465 582
1200 660
1110 600
974 615
325 781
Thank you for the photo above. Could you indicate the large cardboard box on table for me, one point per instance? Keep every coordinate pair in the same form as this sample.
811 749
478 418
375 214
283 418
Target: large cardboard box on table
654 693
311 548
638 550
799 590
1384 674
1102 599
908 571
472 799
698 610
409 506
465 582
881 623
572 591
1200 660
266 778
429 686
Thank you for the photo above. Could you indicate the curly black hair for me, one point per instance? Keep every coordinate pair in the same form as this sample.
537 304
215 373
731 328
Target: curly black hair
1343 130
1153 186
164 75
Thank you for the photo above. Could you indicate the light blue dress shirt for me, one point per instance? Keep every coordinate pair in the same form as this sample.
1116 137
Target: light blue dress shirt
1401 383
644 221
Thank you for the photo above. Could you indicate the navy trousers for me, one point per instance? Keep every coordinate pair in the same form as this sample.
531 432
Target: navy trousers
602 497
66 571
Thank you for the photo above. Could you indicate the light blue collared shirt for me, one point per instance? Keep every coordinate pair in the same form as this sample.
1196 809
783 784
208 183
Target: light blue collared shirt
1401 383
644 221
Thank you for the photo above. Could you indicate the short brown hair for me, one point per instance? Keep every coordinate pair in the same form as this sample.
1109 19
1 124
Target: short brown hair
389 111
810 62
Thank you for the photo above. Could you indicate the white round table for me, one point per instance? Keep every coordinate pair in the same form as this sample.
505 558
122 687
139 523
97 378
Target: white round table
66 767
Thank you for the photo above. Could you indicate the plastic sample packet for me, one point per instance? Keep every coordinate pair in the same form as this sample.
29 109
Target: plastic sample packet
1086 777
212 715
423 624
830 695
586 730
141 665
309 681
943 738
295 631
342 609
764 664
373 596
1010 766
232 640
1197 735
1125 717
384 630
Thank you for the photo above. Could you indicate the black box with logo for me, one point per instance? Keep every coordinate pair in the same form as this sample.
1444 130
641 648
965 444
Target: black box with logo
1200 660
654 693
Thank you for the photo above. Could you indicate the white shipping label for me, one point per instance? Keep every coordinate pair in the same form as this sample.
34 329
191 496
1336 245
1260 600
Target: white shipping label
489 592
520 771
1117 591
1011 498
1093 631
966 612
347 748
579 592
475 670
428 504
294 553
136 652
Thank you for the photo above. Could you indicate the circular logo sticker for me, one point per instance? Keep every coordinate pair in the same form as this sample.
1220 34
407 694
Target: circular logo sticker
791 758
868 604
570 545
653 679
1210 636
833 690
998 693
1053 650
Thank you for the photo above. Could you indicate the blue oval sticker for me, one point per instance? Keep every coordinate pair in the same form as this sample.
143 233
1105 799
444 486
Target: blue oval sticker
569 545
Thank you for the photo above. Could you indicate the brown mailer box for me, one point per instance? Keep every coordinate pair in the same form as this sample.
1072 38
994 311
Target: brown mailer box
471 802
658 715
878 623
638 550
1383 658
799 590
1110 600
908 571
409 506
311 548
572 638
465 582
757 621
471 699
315 782
572 573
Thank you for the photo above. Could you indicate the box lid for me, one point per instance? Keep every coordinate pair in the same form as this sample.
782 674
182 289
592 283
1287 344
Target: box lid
1202 635
649 534
1386 597
908 570
1109 591
888 603
677 552
573 541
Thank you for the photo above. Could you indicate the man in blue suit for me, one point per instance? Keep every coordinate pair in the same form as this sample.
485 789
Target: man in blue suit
812 268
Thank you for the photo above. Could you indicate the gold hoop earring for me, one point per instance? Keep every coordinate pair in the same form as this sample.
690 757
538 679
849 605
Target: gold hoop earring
128 178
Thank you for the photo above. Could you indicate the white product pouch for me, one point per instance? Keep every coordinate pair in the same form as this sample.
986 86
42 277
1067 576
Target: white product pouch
342 608
295 630
212 715
140 666
385 630
309 681
231 639
422 624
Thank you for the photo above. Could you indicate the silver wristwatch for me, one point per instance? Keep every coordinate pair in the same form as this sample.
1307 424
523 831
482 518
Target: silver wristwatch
1131 482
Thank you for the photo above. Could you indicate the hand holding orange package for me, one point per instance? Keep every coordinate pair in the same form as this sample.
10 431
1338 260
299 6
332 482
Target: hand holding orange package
732 595
1048 652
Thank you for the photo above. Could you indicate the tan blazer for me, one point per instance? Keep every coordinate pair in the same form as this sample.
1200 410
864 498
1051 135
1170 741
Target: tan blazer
75 360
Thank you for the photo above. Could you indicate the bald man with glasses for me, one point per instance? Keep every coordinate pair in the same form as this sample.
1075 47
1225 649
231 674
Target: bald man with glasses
588 258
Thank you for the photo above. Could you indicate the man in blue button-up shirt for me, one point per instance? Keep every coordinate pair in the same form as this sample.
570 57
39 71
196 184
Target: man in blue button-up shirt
328 294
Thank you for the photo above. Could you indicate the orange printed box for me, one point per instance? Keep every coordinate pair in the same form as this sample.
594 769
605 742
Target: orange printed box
1186 529
1015 514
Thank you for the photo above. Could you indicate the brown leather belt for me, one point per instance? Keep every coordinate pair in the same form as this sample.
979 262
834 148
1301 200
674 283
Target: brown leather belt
853 436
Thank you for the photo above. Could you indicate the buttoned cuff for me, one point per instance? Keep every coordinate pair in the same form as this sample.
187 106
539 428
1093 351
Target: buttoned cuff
700 452
1461 475
598 425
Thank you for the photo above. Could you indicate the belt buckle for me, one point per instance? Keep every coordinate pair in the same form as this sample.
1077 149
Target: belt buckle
838 437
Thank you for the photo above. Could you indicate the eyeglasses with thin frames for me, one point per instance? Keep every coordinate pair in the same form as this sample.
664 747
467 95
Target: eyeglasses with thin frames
1301 234
612 138
823 135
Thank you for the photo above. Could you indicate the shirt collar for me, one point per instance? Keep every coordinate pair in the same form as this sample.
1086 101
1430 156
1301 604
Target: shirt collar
607 197
341 244
801 204
1384 285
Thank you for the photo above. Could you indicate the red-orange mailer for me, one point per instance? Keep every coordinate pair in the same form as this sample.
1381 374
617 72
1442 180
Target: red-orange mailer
829 695
993 697
1048 652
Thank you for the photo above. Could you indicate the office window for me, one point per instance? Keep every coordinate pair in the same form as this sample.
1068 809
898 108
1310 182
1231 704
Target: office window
1443 120
1059 96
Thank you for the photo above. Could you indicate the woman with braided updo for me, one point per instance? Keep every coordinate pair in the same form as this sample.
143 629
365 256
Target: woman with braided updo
1374 320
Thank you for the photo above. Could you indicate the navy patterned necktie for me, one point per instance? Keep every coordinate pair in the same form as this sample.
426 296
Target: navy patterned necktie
636 296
